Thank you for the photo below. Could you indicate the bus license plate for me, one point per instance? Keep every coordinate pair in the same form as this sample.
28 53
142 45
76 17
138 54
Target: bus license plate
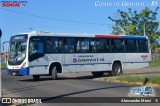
13 73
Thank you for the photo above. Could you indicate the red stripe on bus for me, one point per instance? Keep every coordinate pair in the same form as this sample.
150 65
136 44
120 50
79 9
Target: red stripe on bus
108 36
16 67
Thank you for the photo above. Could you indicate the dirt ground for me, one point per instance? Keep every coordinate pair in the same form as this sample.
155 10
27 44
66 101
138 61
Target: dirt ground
147 70
144 71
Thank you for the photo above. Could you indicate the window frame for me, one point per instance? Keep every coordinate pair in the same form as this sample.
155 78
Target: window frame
91 39
35 56
135 51
146 45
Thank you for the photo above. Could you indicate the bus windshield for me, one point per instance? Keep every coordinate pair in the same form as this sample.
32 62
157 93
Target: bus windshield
17 49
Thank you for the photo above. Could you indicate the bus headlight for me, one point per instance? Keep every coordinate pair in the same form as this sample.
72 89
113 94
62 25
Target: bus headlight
24 64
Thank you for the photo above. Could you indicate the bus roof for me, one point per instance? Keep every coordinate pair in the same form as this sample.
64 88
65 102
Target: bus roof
121 36
34 33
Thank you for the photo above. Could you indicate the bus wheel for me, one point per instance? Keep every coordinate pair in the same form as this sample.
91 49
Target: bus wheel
116 70
97 74
36 77
54 73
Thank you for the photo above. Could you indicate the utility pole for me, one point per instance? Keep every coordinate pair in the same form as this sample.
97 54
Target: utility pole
144 30
0 66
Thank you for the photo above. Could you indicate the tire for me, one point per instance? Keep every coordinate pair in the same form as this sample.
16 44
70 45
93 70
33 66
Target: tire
36 77
116 69
97 74
54 73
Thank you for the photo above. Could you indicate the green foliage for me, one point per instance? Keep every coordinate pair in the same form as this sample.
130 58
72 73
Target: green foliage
155 79
132 78
3 65
157 44
133 23
155 63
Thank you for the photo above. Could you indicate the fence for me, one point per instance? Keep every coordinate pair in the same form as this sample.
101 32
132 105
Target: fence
3 59
155 56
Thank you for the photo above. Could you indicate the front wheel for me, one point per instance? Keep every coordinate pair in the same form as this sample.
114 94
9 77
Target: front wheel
54 73
116 69
36 77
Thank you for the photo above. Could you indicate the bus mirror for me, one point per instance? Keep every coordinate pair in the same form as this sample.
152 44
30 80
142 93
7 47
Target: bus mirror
4 43
0 33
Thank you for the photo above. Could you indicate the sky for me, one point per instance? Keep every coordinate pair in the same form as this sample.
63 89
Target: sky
66 16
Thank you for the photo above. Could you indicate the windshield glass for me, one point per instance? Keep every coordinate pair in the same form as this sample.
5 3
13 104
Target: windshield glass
17 49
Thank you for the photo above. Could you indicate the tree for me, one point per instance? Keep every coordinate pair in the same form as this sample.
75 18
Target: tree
134 22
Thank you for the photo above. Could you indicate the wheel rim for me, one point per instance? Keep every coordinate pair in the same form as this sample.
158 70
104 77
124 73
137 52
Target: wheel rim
54 73
117 70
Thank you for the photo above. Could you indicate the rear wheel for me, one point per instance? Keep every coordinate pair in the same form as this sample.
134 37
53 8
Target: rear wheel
54 73
97 74
36 77
116 69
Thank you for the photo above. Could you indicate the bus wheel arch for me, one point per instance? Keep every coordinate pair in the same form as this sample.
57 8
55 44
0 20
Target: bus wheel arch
54 69
116 68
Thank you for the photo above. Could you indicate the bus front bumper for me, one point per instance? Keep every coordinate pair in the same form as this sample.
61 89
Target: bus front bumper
16 72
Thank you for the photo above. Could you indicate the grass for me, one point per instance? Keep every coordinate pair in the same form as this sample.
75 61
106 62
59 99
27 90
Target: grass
3 65
155 79
155 63
130 78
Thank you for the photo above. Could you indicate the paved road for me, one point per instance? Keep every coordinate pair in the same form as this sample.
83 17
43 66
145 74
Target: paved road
68 85
78 86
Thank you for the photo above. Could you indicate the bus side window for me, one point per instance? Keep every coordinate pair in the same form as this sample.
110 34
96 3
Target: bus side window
52 44
36 47
103 45
112 45
85 44
108 45
78 47
49 45
130 45
60 46
31 48
40 47
56 46
92 47
70 45
119 45
142 46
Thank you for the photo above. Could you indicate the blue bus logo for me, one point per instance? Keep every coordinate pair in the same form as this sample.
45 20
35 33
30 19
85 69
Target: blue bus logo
144 91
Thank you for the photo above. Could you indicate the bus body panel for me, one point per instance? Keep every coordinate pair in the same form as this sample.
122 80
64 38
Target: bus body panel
41 65
136 60
85 62
19 69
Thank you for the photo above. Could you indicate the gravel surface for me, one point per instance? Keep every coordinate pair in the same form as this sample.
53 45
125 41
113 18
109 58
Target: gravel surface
147 70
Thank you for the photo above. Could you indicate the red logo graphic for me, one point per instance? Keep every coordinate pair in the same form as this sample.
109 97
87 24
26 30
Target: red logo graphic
74 60
144 57
14 3
10 4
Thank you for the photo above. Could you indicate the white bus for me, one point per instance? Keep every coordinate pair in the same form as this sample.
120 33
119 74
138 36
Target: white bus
44 53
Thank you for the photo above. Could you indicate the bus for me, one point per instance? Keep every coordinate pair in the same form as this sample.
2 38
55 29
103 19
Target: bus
47 54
